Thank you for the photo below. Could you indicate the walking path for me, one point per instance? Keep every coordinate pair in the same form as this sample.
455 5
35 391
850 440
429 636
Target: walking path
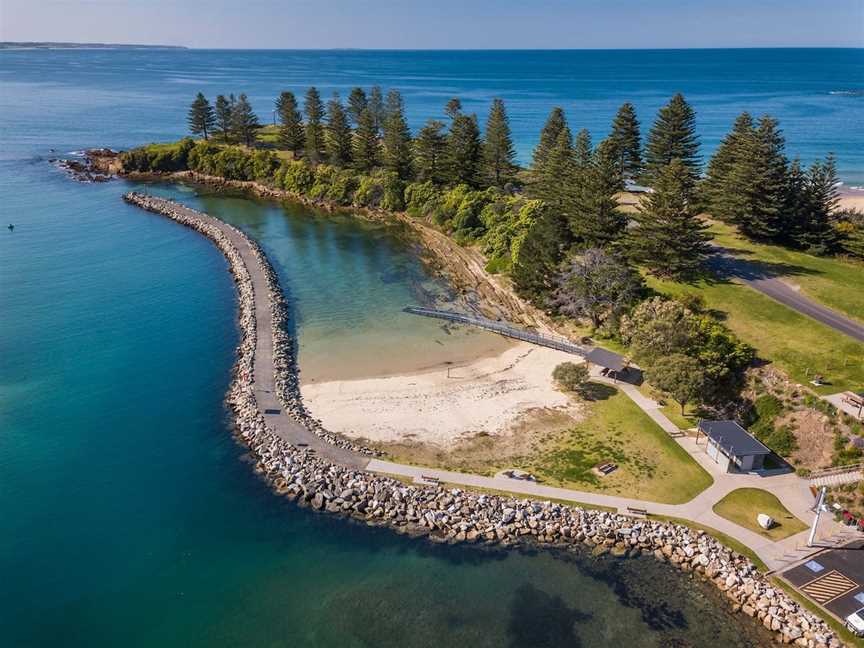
790 489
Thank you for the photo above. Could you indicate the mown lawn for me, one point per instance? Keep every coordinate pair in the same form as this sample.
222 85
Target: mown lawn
651 465
797 344
741 506
836 283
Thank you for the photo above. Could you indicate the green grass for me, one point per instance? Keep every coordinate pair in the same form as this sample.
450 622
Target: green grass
651 465
522 496
726 540
797 344
847 637
741 506
836 283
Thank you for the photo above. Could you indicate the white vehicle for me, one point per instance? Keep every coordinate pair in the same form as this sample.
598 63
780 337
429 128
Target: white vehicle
855 623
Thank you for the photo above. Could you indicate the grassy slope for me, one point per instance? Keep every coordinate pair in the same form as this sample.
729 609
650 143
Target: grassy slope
743 505
797 344
836 283
652 466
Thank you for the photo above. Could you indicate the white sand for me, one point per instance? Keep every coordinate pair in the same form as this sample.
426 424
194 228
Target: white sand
488 395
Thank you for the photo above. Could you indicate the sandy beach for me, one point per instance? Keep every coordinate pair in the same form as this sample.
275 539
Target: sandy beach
443 406
852 199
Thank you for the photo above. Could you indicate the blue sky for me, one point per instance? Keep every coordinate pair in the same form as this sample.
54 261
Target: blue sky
440 23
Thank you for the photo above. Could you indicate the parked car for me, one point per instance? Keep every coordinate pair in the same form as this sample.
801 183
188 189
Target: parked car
855 623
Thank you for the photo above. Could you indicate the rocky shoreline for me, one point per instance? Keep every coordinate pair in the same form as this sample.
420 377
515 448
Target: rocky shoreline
452 515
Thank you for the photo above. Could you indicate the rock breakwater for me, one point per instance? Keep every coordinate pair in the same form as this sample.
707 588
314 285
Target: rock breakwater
452 515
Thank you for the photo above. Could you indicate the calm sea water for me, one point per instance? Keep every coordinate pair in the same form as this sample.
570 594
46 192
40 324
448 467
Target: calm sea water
128 514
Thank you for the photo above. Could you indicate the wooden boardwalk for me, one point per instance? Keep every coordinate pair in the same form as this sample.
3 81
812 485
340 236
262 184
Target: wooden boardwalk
501 328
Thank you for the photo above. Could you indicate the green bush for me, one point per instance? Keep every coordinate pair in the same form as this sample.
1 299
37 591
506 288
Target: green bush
297 177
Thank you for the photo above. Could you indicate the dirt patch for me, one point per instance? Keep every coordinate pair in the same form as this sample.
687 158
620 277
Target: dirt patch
814 434
484 453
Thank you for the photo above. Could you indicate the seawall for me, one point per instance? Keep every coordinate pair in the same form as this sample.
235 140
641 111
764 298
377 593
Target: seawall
314 467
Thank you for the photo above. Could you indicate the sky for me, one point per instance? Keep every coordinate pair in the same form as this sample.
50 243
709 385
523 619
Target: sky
439 24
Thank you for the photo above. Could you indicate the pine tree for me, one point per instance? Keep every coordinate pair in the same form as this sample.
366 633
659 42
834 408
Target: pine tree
223 117
536 255
338 136
367 148
244 122
753 194
797 203
583 153
397 137
201 118
290 123
313 131
498 153
667 237
626 139
357 103
595 220
453 108
464 151
673 136
376 107
555 123
554 181
714 188
818 235
429 152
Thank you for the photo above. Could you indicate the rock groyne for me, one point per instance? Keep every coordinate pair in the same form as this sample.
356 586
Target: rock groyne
452 515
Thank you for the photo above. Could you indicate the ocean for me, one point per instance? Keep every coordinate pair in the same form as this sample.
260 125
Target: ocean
129 513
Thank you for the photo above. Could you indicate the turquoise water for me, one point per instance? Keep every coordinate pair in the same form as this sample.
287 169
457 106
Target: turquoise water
128 513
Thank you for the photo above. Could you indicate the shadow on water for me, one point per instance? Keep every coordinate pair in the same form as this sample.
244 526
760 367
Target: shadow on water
542 620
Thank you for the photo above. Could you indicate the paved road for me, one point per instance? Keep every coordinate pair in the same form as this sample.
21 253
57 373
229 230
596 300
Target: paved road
759 277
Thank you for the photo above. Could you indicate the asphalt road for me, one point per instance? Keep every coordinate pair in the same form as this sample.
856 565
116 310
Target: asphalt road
759 277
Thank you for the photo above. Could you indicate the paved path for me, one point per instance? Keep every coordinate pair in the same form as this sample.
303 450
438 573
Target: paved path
790 489
756 276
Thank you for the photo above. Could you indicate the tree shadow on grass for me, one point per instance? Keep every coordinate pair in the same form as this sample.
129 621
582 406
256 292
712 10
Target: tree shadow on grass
725 267
592 391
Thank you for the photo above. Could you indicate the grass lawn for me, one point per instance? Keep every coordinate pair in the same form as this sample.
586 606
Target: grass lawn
798 345
836 283
651 465
743 505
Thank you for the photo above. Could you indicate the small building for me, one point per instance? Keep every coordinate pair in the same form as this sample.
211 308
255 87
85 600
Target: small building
728 441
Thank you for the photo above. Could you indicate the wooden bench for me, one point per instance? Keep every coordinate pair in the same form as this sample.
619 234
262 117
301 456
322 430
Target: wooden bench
637 511
430 478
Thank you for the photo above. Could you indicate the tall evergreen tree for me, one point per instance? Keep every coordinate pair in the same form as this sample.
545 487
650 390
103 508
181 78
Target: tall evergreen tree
464 151
397 137
554 181
714 188
667 237
313 130
595 220
290 123
548 137
357 103
367 148
223 117
201 118
818 234
429 153
626 138
536 255
244 122
673 136
453 108
498 152
376 106
338 135
583 153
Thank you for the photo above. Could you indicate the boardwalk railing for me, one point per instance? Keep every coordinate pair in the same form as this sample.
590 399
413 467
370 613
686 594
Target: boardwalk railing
838 475
552 341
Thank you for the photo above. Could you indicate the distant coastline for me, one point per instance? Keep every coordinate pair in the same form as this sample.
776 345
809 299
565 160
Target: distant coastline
57 45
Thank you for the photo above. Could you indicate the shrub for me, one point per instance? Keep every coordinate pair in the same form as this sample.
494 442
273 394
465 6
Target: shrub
571 376
297 177
369 193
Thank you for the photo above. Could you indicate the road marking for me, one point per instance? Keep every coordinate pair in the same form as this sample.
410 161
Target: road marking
829 587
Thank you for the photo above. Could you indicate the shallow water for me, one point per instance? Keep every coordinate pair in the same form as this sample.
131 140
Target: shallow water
128 514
